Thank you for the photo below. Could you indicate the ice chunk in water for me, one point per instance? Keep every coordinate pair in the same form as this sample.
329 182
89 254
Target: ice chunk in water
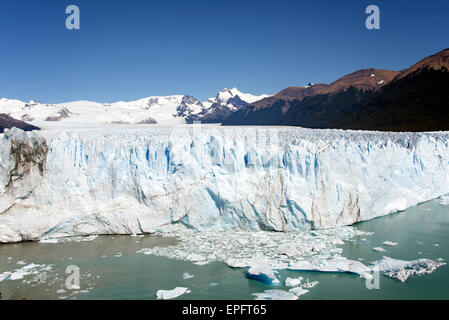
275 295
171 294
298 291
262 272
290 282
187 275
401 270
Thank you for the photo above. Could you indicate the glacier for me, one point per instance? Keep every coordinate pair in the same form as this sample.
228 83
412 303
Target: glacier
141 179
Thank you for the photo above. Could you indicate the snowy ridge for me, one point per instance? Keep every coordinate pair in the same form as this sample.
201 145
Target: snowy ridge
127 181
226 96
164 110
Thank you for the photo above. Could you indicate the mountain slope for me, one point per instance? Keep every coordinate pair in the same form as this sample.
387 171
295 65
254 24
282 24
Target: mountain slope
417 102
283 107
415 99
7 122
223 105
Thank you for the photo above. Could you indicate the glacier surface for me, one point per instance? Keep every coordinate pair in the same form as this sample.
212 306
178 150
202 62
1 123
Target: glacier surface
124 180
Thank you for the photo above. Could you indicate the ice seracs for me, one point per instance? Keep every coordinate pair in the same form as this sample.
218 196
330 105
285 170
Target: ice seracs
139 180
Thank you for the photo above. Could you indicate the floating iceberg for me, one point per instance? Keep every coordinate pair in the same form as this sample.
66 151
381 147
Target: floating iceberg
290 282
275 295
337 264
379 249
171 294
298 291
309 285
30 269
262 272
186 275
401 270
389 243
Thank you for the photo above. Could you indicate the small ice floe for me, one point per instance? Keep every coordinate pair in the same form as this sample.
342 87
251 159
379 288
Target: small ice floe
213 284
193 257
293 282
275 295
338 264
389 243
262 272
60 291
236 263
30 269
401 270
21 262
118 255
201 263
379 249
171 294
436 244
49 240
298 291
310 285
186 275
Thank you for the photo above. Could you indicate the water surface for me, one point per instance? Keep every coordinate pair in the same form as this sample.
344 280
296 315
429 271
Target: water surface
110 268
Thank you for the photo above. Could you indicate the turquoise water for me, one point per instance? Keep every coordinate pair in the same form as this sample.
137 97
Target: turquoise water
111 269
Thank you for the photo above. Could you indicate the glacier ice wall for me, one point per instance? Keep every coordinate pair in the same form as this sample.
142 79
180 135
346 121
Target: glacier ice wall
123 181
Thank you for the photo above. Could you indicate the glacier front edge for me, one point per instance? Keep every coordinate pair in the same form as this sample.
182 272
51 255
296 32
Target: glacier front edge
138 180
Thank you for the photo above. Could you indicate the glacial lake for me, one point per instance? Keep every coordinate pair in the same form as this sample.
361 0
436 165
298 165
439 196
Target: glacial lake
110 268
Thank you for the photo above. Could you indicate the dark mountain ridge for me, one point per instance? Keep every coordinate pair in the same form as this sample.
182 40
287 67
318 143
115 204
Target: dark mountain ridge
7 122
415 99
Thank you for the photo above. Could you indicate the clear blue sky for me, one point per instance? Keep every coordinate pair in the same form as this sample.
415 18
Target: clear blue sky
132 49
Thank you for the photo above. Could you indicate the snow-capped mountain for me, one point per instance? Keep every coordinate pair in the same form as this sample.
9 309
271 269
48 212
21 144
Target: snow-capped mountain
164 110
223 104
229 97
